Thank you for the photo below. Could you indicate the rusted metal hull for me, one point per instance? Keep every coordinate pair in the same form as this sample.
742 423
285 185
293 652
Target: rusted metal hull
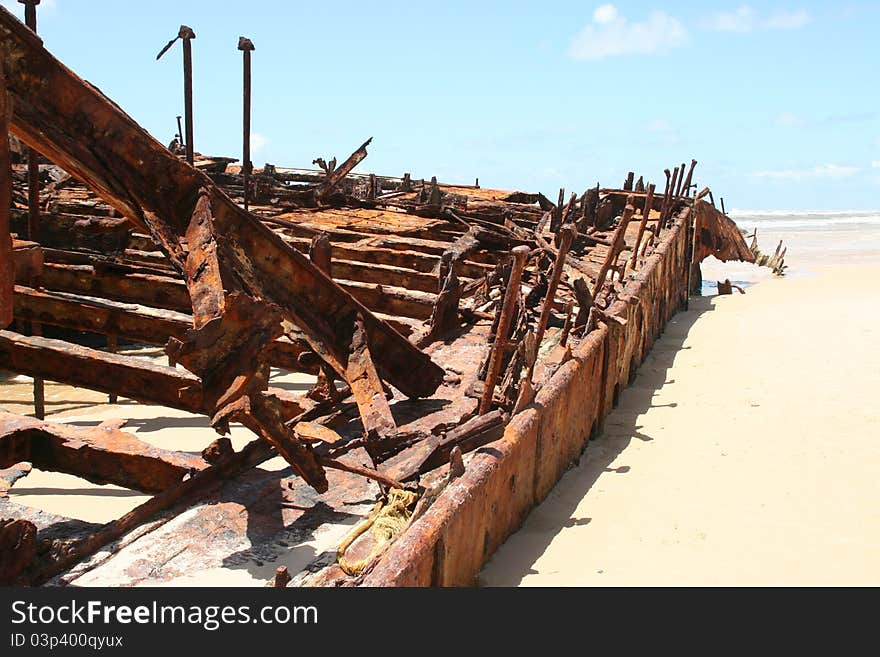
524 318
476 513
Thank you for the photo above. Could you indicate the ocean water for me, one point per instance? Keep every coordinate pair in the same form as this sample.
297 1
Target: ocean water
813 238
806 220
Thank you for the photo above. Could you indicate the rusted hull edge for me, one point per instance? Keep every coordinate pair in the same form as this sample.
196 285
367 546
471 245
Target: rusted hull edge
476 513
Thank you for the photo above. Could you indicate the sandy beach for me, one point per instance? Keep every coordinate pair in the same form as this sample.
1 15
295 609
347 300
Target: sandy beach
744 453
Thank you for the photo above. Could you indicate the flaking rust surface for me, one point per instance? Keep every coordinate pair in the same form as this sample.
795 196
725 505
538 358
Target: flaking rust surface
249 523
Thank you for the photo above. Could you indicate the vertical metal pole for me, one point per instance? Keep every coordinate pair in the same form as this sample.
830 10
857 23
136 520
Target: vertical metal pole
39 387
187 35
112 346
680 181
30 19
246 47
7 273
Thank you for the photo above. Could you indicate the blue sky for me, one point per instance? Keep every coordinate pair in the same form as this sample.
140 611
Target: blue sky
778 101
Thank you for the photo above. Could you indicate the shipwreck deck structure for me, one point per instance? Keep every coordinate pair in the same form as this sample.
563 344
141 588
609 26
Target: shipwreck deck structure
465 343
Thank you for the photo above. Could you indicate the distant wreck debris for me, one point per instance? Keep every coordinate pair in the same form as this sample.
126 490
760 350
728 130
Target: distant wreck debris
462 339
776 262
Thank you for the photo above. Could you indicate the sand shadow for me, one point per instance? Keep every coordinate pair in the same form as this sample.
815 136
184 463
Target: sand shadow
272 542
147 425
621 427
94 492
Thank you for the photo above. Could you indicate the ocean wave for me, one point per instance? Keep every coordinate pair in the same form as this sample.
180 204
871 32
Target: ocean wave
788 219
801 213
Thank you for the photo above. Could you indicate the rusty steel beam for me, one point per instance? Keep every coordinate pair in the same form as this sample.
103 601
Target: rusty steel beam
131 322
111 153
101 455
138 323
646 212
366 387
567 233
168 292
335 177
505 312
145 289
617 244
74 231
127 376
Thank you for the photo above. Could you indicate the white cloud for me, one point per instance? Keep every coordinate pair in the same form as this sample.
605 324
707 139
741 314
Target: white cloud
741 19
745 19
605 14
788 20
258 142
834 171
610 34
790 120
875 164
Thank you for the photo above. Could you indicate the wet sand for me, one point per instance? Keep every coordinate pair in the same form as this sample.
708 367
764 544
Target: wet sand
744 454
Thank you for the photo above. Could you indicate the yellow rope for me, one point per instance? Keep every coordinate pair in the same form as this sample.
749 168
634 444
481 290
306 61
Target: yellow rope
388 518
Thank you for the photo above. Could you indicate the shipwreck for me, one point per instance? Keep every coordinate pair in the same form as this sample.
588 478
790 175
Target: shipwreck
465 342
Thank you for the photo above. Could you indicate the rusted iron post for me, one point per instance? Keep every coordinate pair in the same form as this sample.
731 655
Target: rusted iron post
7 271
246 47
646 211
566 328
566 236
666 193
112 347
680 181
617 243
188 35
282 577
687 181
33 224
30 19
694 228
39 385
723 211
320 253
672 196
508 306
